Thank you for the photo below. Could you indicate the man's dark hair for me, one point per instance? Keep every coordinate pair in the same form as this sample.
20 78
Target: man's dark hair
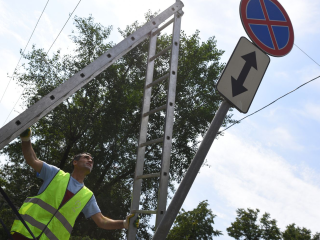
78 156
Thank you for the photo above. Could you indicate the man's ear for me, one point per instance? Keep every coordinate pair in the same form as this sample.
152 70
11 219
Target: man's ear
74 163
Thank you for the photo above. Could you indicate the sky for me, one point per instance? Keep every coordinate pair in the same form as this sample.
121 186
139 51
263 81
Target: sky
270 160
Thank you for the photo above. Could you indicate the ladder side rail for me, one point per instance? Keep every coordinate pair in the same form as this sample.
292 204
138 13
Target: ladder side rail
46 104
167 144
137 182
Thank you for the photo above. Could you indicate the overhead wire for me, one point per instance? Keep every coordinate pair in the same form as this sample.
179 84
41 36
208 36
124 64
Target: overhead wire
238 121
16 212
23 51
46 54
63 27
307 55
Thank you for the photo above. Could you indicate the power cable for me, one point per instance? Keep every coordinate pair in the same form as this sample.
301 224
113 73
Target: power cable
63 27
220 131
238 121
279 97
23 51
6 229
307 55
46 54
16 211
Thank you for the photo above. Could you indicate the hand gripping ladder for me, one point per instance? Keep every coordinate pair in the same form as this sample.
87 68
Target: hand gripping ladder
166 140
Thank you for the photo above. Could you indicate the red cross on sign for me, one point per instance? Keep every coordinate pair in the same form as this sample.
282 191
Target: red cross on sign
268 25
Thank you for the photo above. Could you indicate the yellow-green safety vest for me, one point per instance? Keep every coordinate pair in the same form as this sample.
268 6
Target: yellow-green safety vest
44 215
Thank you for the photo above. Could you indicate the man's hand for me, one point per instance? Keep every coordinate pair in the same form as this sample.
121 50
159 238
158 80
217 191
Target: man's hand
25 136
127 221
28 152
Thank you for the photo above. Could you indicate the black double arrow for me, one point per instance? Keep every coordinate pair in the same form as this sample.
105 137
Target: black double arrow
237 85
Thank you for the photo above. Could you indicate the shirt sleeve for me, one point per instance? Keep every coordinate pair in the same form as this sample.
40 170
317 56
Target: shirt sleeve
91 208
47 173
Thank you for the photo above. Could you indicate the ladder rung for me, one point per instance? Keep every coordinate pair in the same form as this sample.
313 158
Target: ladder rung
158 80
151 142
162 27
144 211
160 53
155 110
152 175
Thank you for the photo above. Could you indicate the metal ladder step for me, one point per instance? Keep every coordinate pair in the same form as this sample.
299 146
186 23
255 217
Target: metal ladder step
158 80
160 53
151 142
163 107
144 211
152 175
166 140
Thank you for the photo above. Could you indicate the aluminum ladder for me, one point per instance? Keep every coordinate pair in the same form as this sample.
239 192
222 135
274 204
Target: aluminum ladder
166 140
49 102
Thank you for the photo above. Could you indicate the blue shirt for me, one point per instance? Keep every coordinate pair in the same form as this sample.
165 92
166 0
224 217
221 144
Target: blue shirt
47 174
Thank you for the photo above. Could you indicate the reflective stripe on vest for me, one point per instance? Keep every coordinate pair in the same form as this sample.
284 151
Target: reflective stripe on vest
44 215
40 225
53 211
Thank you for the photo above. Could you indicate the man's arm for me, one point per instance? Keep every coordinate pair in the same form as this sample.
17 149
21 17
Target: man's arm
29 153
107 223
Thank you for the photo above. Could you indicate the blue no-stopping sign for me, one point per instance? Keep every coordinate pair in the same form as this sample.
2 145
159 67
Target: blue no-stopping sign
268 25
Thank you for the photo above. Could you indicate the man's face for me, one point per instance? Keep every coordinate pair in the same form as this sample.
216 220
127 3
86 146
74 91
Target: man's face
85 162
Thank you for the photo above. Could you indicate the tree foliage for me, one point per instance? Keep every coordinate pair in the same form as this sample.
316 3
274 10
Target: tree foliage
293 232
269 228
195 224
247 227
316 236
103 118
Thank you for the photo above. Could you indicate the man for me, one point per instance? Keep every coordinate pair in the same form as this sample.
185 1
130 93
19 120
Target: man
52 213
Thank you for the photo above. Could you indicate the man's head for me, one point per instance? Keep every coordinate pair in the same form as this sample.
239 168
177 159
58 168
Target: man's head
83 161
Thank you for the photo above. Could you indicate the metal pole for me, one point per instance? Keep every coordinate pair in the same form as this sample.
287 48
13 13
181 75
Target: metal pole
182 192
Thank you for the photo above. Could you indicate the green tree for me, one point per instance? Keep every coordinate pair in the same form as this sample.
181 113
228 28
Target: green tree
5 212
293 232
247 226
269 228
103 118
316 236
195 224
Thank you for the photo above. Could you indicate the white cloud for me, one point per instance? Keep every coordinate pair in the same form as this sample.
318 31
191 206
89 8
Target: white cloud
310 110
246 175
7 24
304 15
8 63
281 137
282 75
309 72
3 16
